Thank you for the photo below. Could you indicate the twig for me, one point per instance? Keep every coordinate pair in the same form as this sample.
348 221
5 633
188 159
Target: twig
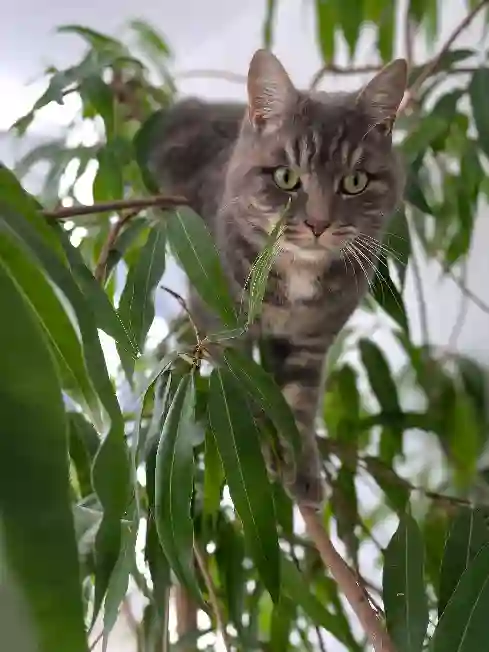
160 201
344 576
212 596
115 229
183 304
462 312
96 641
342 70
431 67
460 282
232 77
321 643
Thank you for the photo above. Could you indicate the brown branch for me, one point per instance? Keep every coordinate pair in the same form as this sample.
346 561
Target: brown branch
214 602
348 583
186 610
342 70
432 66
115 229
138 203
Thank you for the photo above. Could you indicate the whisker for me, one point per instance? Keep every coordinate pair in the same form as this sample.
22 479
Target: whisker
384 280
346 258
354 253
381 247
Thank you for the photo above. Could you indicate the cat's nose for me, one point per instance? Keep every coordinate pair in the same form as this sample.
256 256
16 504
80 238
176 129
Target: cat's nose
318 228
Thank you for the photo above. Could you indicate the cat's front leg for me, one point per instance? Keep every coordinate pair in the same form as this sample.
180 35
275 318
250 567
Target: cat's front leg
297 369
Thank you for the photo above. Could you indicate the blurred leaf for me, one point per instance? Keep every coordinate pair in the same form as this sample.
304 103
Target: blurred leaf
119 581
468 534
95 39
386 31
345 507
261 269
406 605
379 376
124 242
196 252
266 394
297 589
136 305
326 23
396 489
478 92
268 23
35 513
463 434
174 485
230 558
414 194
143 144
464 622
398 239
238 444
213 478
416 10
445 62
283 616
83 446
435 530
63 338
150 37
388 296
99 95
350 15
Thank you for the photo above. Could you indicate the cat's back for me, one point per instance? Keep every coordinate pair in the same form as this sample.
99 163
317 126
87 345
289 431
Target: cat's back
192 143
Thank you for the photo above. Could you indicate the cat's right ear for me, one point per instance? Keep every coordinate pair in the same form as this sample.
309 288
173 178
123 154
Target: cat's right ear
270 91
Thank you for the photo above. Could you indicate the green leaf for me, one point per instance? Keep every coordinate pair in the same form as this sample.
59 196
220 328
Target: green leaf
406 605
262 388
396 489
238 444
261 269
143 143
468 534
83 445
398 239
119 582
326 23
213 478
464 622
60 331
298 590
478 92
283 616
174 485
230 558
136 306
388 296
150 37
414 193
268 23
196 252
345 507
416 10
38 537
350 14
386 31
444 63
463 432
379 376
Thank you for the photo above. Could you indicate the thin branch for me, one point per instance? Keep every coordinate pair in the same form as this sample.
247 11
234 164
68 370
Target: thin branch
432 66
157 201
183 304
462 312
348 583
212 596
225 75
460 282
115 229
321 643
342 70
422 305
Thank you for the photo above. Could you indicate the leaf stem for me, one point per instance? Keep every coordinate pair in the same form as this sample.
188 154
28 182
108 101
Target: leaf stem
348 583
137 203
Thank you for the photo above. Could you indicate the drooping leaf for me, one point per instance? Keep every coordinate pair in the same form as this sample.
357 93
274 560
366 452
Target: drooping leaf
283 616
297 589
326 23
388 296
174 485
478 89
136 306
345 506
238 444
266 394
230 558
468 534
386 31
38 538
213 478
195 250
396 489
405 601
51 314
464 622
350 15
380 377
268 23
445 62
83 445
398 240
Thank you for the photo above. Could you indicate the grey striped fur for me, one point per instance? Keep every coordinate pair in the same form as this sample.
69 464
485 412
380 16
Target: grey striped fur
220 156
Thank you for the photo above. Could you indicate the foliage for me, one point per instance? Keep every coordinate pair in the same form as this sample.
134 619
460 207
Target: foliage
83 471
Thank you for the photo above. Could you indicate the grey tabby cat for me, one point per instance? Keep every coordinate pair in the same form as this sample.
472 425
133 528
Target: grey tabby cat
330 158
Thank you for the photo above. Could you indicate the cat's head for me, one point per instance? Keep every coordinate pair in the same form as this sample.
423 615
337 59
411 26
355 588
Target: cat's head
329 157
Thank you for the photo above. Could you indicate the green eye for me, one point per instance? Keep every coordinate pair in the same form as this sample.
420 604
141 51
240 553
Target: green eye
286 178
354 184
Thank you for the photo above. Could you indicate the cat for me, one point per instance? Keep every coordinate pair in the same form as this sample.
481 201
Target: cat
330 160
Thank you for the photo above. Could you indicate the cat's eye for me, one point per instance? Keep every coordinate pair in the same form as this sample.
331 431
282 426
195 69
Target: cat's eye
355 183
286 178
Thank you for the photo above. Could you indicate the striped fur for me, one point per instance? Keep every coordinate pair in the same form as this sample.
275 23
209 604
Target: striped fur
220 157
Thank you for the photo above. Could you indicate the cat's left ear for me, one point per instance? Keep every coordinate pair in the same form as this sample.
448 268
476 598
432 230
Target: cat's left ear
270 91
383 94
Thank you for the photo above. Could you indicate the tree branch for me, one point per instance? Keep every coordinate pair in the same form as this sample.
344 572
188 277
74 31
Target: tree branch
431 67
214 602
138 203
348 583
115 229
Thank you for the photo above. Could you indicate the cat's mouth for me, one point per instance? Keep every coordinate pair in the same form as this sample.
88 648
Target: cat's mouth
332 239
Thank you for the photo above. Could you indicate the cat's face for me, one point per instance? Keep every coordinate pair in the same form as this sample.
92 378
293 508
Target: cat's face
327 160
